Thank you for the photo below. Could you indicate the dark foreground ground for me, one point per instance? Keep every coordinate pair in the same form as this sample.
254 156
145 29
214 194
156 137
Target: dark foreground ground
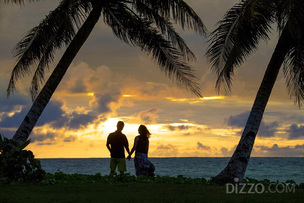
96 188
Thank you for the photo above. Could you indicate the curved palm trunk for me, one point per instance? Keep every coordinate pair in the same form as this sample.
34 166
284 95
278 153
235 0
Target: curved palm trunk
236 168
49 88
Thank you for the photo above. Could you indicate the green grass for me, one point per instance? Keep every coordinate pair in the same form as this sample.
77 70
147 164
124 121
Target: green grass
61 187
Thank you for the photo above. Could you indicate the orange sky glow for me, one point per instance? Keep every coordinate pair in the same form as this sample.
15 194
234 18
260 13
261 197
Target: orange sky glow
109 81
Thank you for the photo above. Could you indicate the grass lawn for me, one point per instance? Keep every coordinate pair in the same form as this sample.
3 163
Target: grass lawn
60 187
135 192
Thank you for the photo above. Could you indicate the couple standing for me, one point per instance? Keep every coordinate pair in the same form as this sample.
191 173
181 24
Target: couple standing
116 144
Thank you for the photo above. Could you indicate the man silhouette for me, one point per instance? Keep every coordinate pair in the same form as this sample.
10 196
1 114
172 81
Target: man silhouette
116 142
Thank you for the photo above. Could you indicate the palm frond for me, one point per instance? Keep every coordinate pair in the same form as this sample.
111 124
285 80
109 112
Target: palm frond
65 32
290 17
136 31
294 63
20 2
237 35
39 45
179 11
294 73
165 26
289 11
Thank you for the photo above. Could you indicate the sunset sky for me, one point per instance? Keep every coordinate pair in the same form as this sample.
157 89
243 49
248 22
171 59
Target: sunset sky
110 81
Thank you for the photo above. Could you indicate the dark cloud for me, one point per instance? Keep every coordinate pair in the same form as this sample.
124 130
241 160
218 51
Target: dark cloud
277 151
52 112
12 121
74 120
53 115
296 132
12 112
15 120
179 127
200 146
61 122
50 138
69 139
13 102
238 120
265 129
7 132
103 101
268 130
78 120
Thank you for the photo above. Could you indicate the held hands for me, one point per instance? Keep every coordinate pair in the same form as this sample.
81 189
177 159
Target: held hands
129 157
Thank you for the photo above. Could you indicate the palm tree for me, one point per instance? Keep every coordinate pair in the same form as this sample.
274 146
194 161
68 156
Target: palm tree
143 23
236 36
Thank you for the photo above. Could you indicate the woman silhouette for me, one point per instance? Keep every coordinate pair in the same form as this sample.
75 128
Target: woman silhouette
141 147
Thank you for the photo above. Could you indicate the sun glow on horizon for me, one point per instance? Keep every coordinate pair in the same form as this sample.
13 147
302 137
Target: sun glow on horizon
128 95
213 98
194 101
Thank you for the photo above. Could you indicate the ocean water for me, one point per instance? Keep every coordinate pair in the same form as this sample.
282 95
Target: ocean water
272 168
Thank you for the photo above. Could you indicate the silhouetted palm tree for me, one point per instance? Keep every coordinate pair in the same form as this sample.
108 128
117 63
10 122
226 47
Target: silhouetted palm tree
236 36
143 23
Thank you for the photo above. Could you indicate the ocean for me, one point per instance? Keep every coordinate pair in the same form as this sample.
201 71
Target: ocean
271 168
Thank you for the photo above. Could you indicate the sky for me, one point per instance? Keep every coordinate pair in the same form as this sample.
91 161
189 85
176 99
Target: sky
110 81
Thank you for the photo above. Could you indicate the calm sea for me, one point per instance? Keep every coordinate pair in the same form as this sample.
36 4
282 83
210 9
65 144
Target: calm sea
272 168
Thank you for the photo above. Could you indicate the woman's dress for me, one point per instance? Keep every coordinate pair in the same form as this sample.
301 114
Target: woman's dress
143 165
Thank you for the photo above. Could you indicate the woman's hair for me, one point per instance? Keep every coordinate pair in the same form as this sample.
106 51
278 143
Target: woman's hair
144 132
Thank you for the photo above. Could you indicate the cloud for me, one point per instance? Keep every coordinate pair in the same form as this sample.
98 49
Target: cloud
13 119
149 116
81 120
69 139
48 137
200 146
178 127
238 120
265 129
225 152
152 90
102 103
13 102
13 110
51 138
168 150
277 151
187 129
7 132
268 130
296 132
52 113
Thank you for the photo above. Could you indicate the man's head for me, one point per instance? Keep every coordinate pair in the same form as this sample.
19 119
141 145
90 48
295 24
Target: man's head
120 125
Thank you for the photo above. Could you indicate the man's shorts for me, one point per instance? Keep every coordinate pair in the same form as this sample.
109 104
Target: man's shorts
120 162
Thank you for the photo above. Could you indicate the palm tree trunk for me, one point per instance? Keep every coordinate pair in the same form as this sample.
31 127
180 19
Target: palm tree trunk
236 168
49 88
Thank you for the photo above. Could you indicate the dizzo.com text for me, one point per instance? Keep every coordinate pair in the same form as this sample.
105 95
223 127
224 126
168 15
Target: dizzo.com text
259 188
